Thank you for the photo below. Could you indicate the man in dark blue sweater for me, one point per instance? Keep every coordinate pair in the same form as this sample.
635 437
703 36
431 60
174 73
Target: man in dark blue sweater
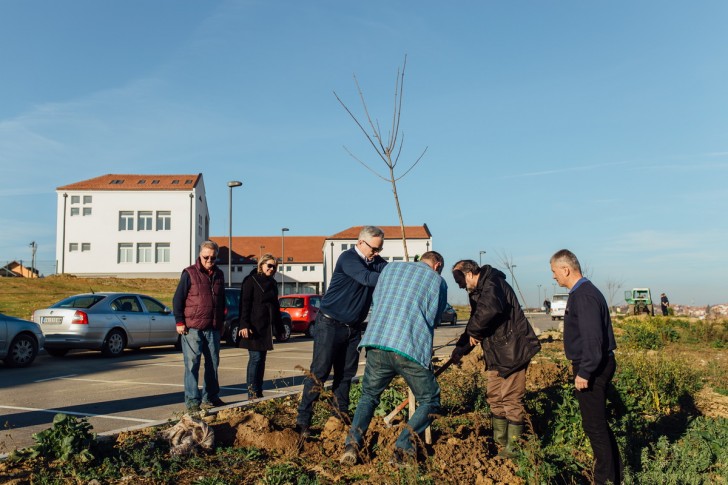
589 344
337 331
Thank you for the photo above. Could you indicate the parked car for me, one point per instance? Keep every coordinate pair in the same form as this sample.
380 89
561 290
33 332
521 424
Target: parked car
231 327
109 322
303 309
558 306
449 315
20 341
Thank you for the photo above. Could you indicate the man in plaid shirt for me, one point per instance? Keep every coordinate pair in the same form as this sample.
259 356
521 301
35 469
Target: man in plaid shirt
408 302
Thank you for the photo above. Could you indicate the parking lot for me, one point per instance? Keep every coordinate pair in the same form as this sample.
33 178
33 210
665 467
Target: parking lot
144 386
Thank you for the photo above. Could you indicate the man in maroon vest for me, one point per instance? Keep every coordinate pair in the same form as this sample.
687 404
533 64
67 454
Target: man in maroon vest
199 307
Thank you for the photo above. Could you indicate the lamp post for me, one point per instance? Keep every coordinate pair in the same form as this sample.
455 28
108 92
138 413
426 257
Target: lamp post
231 185
63 242
480 258
539 295
261 252
284 230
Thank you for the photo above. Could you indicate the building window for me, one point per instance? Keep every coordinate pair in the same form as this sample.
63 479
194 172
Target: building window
141 182
144 253
74 211
126 220
85 247
305 268
87 211
126 253
144 221
188 182
343 247
162 252
87 199
288 269
164 220
311 268
175 182
155 182
116 182
75 199
72 247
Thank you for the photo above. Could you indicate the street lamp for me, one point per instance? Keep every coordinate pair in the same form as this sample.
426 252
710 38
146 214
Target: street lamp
231 185
480 257
539 295
284 230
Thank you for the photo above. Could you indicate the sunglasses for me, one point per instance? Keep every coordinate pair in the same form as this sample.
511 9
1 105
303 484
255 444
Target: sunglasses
207 258
270 266
376 250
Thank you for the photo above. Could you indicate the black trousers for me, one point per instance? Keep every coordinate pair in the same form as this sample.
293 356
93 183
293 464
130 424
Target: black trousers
593 407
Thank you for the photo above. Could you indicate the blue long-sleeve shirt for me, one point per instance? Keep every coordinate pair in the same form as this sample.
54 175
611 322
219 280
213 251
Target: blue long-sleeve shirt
408 302
350 293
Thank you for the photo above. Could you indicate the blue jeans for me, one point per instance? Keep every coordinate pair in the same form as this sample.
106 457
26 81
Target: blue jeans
195 345
382 366
256 369
334 346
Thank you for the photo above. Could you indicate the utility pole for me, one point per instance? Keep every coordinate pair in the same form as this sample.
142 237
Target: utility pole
33 247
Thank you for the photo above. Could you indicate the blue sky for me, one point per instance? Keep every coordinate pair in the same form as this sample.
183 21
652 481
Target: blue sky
597 126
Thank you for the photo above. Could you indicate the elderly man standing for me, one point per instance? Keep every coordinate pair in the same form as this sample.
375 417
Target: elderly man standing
199 307
337 331
589 344
408 303
509 343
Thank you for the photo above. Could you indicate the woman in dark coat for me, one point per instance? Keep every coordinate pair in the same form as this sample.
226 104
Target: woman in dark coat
260 316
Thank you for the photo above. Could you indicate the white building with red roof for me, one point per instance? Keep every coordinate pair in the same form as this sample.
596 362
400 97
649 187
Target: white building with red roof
131 226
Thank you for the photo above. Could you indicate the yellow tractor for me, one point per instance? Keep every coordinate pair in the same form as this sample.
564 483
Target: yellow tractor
639 301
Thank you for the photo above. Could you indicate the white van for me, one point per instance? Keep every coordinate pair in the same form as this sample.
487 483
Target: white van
558 305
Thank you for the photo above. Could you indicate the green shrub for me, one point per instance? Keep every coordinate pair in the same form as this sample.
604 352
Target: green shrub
69 438
654 382
390 398
698 457
649 333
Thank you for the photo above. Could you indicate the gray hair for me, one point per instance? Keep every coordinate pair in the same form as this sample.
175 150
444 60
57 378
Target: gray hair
210 245
466 266
368 232
566 257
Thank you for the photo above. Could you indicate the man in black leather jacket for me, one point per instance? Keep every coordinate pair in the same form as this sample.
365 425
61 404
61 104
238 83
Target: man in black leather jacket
509 343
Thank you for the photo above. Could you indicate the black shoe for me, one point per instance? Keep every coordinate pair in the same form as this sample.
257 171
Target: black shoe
402 458
350 455
304 432
215 402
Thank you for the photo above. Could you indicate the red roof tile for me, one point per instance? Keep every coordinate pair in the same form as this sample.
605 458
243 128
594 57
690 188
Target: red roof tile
390 232
136 182
303 249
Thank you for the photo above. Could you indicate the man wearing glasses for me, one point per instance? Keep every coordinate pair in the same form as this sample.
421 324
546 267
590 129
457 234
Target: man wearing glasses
337 331
199 307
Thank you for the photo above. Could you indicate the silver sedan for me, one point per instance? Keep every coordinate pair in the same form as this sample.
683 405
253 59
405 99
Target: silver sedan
109 322
20 341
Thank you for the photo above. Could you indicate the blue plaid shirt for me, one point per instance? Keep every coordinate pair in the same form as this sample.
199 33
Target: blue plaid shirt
408 302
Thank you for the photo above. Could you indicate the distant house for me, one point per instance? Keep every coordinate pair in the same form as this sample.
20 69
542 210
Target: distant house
15 269
307 262
131 225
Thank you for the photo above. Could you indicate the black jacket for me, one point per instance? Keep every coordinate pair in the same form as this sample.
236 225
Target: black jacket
508 340
259 311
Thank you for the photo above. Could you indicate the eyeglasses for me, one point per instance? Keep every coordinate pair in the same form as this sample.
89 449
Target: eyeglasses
208 258
270 266
376 250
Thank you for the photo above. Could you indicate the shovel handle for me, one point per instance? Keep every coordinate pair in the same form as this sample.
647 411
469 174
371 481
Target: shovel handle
389 417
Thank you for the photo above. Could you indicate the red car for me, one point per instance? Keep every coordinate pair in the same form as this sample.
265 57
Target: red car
303 310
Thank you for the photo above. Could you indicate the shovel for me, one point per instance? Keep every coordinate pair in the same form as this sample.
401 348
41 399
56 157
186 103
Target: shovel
389 417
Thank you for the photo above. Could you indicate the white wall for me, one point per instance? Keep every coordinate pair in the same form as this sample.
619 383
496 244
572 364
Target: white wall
101 230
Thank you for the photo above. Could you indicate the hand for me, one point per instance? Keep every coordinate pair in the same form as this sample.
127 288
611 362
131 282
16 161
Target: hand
474 341
581 384
245 333
456 356
181 329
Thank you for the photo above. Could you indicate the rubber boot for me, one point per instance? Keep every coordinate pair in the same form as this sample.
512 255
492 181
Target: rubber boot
515 430
500 430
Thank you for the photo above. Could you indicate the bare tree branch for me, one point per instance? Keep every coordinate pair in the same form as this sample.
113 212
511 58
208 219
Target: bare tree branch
365 165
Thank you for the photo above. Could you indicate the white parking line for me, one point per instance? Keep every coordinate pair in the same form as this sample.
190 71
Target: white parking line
56 411
142 383
54 378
